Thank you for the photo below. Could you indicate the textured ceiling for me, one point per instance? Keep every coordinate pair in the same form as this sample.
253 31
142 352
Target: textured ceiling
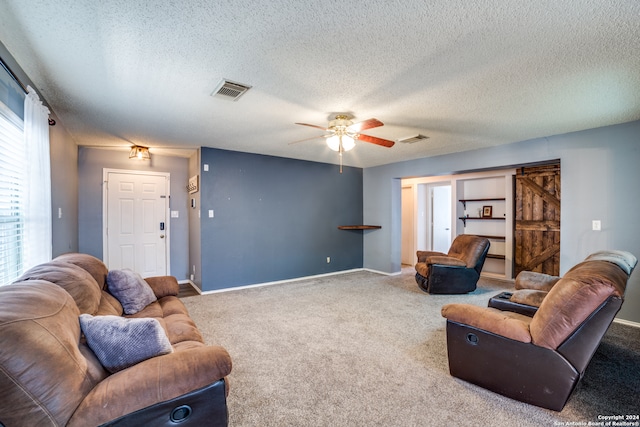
467 74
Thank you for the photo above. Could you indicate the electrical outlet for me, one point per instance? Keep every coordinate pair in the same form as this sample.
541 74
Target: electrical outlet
596 225
328 259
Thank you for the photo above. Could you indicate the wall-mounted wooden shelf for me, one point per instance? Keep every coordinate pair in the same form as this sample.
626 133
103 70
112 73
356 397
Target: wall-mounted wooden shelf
359 227
475 218
464 201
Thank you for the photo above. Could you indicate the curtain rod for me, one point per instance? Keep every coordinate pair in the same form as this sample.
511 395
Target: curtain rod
12 75
23 87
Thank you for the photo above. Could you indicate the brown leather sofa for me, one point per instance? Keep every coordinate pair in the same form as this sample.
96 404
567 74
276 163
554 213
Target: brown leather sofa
539 359
49 376
456 272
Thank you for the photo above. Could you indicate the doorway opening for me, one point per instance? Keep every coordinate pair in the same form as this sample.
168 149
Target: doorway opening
426 219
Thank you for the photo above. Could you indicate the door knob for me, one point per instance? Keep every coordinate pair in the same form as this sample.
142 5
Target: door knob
162 236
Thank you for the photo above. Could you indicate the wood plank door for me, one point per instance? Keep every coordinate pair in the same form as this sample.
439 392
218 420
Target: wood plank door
537 219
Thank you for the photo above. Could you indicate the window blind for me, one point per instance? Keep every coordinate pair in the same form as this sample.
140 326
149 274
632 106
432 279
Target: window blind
12 193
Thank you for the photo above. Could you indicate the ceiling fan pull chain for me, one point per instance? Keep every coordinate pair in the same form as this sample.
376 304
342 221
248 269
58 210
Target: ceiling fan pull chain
340 153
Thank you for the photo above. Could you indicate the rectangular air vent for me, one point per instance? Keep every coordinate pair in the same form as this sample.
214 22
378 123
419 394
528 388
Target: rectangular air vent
412 139
230 90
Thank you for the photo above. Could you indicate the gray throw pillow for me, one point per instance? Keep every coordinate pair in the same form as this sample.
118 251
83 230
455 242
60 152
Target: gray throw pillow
130 289
119 342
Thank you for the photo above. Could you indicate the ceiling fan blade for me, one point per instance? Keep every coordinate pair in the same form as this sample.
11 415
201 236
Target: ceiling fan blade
309 139
364 125
313 126
374 140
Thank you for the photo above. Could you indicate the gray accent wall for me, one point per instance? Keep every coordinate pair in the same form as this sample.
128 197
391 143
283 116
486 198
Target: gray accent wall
92 161
600 177
275 218
64 190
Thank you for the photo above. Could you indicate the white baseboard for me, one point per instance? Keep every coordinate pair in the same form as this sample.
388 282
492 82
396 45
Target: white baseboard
397 273
627 322
278 282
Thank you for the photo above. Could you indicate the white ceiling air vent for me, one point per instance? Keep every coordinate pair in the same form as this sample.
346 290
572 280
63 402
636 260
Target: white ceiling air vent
412 139
230 90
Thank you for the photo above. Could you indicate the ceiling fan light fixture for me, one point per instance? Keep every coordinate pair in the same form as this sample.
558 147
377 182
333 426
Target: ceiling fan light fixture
140 153
346 141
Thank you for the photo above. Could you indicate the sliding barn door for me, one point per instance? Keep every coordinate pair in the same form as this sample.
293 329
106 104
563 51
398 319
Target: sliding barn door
537 219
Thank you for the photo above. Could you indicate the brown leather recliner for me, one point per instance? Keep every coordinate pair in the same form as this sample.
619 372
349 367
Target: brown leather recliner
532 287
539 359
456 272
49 376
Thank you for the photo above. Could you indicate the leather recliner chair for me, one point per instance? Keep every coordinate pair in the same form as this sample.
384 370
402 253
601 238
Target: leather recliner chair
532 287
539 359
456 272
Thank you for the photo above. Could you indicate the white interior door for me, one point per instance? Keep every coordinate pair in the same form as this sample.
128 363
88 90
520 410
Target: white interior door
408 234
441 218
136 234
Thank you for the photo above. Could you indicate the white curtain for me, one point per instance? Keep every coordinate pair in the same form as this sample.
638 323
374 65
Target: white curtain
37 248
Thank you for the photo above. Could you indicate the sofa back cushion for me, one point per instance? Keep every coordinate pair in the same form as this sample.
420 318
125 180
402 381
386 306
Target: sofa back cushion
75 280
573 299
43 373
91 264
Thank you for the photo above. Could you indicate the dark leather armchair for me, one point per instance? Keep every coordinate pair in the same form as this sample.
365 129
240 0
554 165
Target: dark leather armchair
539 359
456 272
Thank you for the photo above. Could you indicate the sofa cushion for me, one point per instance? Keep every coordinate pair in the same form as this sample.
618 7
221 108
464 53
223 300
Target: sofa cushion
120 342
91 264
43 374
82 287
109 305
130 289
163 286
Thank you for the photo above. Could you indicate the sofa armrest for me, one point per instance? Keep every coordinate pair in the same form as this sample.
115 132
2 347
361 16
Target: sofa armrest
506 324
535 281
445 260
423 255
152 381
530 297
163 286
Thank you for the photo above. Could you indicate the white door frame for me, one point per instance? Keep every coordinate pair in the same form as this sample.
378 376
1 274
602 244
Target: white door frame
105 241
430 215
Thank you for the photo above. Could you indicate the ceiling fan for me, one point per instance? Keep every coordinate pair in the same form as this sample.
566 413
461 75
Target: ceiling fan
342 134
